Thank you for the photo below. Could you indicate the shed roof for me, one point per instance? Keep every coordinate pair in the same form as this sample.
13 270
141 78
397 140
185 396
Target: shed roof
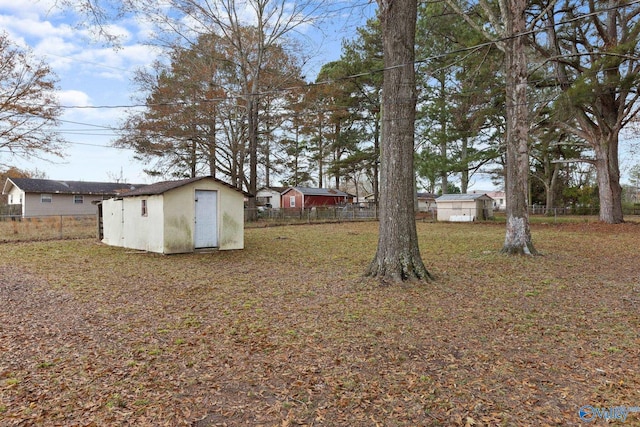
33 185
273 188
327 192
462 197
164 186
426 195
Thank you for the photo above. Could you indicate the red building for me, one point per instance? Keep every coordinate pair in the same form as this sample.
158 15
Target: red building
305 198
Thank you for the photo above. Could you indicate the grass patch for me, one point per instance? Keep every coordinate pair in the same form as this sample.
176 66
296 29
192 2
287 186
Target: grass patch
48 228
288 332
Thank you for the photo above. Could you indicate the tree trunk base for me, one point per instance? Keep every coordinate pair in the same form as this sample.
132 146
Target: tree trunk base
517 240
403 269
526 249
609 220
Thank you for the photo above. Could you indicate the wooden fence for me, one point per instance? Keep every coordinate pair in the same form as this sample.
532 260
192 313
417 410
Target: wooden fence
274 216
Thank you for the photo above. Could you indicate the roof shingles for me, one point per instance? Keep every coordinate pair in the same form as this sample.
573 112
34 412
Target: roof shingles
32 185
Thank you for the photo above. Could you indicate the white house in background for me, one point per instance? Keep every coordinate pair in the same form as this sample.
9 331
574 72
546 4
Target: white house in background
269 197
499 200
464 207
176 217
42 197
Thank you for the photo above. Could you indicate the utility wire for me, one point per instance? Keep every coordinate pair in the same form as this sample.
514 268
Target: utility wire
333 81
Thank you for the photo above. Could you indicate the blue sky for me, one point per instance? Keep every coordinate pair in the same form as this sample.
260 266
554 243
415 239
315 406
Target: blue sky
95 82
90 75
95 85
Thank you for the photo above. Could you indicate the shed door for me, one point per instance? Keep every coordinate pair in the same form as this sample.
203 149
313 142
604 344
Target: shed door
206 232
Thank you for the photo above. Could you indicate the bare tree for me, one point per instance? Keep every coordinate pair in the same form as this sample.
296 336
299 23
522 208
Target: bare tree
28 106
272 21
398 255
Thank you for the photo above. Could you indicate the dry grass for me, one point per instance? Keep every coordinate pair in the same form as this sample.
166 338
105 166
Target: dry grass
287 332
48 228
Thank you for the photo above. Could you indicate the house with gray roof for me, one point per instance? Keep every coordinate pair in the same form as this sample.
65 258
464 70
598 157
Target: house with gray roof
45 197
464 207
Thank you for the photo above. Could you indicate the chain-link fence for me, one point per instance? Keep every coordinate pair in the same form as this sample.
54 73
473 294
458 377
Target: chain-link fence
10 210
16 228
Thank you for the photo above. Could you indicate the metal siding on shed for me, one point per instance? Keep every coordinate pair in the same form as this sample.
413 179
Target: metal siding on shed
169 227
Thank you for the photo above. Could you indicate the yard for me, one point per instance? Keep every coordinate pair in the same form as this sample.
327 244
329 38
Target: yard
287 332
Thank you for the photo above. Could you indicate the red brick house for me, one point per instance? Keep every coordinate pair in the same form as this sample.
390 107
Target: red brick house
305 198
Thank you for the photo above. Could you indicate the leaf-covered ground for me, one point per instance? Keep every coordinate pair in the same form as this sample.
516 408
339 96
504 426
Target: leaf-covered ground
287 332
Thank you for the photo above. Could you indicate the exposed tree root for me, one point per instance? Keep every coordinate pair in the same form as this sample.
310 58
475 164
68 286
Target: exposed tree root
402 269
526 249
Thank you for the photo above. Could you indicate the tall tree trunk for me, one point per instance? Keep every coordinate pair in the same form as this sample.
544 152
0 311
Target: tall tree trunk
600 118
518 235
252 125
193 157
609 188
464 174
442 135
211 148
296 158
551 189
398 255
320 158
376 159
336 153
267 156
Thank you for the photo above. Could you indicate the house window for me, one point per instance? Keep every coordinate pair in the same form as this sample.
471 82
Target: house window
143 206
78 199
292 201
46 198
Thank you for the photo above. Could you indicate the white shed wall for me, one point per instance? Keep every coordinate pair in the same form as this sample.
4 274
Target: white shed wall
180 215
460 208
124 225
449 208
170 223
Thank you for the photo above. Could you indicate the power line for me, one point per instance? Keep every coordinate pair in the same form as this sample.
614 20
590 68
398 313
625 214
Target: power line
365 73
314 84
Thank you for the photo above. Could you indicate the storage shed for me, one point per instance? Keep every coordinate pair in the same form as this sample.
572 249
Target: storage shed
464 207
176 217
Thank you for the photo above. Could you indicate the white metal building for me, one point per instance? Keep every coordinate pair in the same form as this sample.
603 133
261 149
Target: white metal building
464 207
176 217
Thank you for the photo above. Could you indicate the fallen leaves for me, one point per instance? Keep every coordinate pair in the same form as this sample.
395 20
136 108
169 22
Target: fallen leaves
281 335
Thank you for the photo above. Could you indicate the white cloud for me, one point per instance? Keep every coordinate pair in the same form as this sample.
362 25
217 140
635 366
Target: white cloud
29 9
74 98
35 28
